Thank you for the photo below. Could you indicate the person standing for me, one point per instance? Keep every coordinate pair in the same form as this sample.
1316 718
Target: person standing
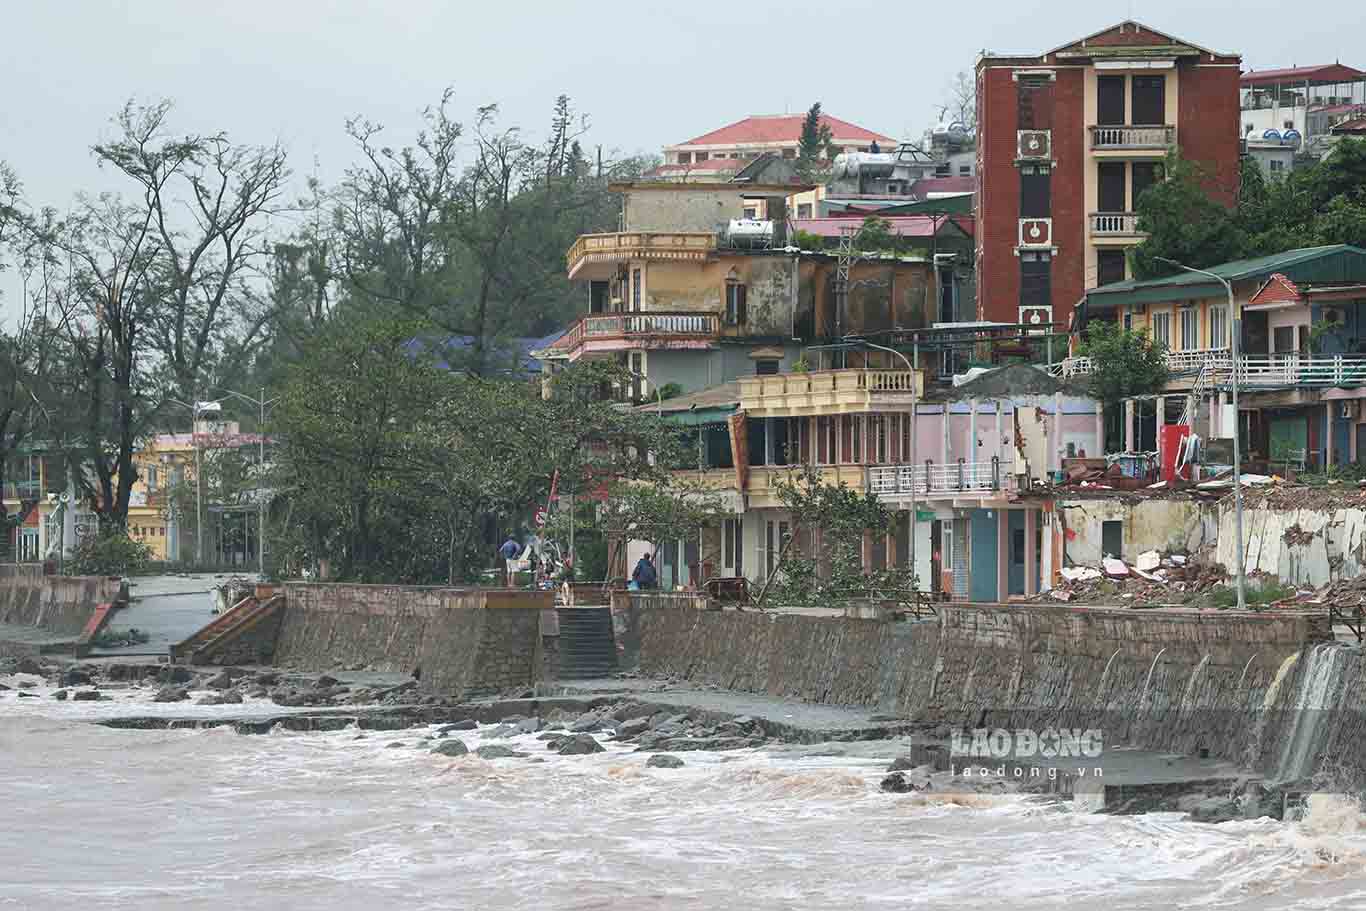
509 552
644 574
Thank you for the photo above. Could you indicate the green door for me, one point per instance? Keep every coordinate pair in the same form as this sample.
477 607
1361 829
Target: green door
1289 439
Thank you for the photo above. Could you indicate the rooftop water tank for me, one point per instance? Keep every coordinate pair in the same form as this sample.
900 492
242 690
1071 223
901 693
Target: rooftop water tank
749 232
1291 136
866 164
1271 134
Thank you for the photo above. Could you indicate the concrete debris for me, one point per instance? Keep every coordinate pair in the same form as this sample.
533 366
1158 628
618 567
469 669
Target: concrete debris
1080 573
1148 561
1174 579
1114 568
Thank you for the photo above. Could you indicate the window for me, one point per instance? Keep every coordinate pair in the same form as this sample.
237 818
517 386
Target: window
1109 266
1111 187
803 210
599 296
1276 165
685 157
1146 174
1034 103
1110 100
789 153
766 366
737 311
1149 94
151 477
893 188
700 157
1218 327
1034 191
1162 328
635 289
965 170
1283 339
751 212
1036 288
1190 329
878 431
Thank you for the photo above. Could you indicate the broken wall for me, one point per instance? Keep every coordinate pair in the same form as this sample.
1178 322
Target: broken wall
1306 547
1147 524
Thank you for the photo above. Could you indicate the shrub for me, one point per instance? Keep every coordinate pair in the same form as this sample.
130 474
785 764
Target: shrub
109 554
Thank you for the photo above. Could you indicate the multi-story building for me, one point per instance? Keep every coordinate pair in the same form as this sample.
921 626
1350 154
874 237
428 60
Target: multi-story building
1066 142
1298 106
755 135
693 293
1302 361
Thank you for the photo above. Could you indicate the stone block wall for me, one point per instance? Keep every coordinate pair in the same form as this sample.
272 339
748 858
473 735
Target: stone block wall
464 640
62 605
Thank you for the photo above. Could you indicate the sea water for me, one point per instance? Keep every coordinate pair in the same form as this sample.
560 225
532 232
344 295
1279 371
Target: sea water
97 817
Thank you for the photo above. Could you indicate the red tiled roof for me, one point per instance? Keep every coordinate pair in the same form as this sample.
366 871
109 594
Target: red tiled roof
905 225
1356 124
783 128
1324 72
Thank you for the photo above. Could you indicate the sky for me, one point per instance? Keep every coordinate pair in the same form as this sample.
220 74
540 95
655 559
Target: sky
647 74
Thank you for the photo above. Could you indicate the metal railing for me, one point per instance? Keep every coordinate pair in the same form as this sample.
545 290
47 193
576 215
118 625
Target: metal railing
646 244
1133 137
641 325
1114 223
938 479
1291 369
1177 362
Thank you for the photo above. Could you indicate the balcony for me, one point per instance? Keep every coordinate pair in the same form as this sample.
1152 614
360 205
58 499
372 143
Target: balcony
609 249
827 392
1115 226
931 481
1132 141
1188 361
1254 370
607 333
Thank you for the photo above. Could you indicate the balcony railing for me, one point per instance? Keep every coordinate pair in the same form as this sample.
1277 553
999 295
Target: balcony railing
1114 224
640 327
1325 370
934 480
829 391
639 245
1133 137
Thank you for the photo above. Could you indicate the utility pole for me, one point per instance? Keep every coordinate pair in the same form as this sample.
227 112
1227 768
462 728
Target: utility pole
914 395
1235 327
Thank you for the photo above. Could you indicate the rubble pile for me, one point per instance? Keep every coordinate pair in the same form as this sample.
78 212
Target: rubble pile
1347 595
1153 578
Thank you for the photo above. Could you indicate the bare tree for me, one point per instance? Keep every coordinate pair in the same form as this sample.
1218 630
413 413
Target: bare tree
960 101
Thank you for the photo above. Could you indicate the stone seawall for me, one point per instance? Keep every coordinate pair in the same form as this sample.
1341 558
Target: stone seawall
59 605
1186 681
465 641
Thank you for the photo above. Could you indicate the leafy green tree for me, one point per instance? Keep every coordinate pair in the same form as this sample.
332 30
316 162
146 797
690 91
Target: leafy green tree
813 142
1124 363
822 562
1184 223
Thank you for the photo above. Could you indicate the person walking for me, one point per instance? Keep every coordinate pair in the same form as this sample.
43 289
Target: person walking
644 574
509 552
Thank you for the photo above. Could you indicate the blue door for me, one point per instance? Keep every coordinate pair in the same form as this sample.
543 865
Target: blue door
982 544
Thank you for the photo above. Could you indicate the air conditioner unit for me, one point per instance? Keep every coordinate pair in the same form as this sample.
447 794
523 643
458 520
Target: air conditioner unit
1034 144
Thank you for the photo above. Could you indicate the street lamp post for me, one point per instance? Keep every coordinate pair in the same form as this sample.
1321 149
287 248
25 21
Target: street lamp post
261 403
911 526
1235 329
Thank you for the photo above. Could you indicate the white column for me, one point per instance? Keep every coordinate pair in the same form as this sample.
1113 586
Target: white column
1328 443
1100 432
1055 460
1000 440
944 443
1129 425
971 454
1160 418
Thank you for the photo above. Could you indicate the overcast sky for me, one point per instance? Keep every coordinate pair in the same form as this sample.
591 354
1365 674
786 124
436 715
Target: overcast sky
647 74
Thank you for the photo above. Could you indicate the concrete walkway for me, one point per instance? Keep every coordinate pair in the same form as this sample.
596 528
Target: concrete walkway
169 609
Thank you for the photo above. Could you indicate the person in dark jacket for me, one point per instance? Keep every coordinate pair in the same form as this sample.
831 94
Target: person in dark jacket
509 552
644 573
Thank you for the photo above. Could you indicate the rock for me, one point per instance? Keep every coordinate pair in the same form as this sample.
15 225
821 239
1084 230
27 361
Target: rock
28 666
467 724
664 761
580 745
267 678
633 727
669 728
326 680
586 722
1059 594
171 694
452 747
207 699
494 751
220 681
1215 809
902 764
86 696
395 744
258 692
231 697
75 676
548 736
896 783
60 695
528 726
503 730
1148 561
175 674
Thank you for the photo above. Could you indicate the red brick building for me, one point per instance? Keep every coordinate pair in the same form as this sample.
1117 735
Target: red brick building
1066 142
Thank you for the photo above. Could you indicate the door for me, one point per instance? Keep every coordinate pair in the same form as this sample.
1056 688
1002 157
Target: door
1112 539
983 556
1149 100
1110 100
943 541
1112 187
732 547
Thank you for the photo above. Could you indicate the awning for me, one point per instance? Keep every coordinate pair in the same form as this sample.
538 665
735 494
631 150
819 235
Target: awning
698 416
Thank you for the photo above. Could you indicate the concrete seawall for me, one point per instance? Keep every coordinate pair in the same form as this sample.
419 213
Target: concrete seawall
465 641
1223 682
35 607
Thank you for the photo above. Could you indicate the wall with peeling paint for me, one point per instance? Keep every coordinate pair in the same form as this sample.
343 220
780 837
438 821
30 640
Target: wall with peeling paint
1149 524
1302 547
